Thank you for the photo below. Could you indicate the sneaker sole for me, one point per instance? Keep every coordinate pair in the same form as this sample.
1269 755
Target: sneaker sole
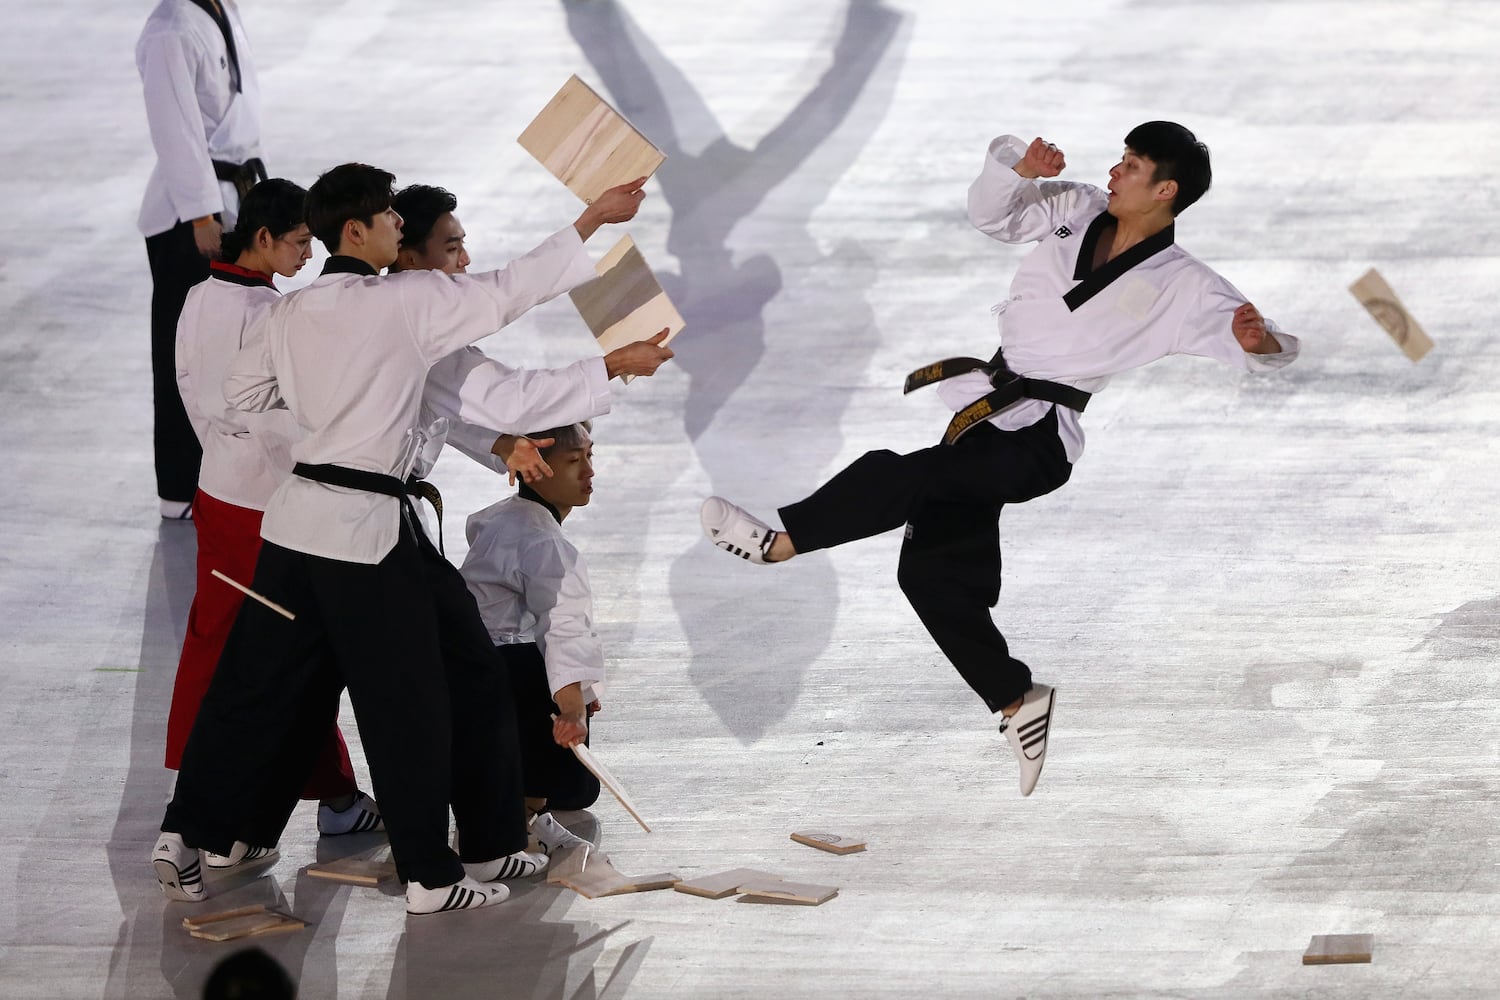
170 880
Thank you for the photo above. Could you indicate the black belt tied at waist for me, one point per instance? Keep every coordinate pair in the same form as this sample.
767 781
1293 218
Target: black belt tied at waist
378 482
1009 387
243 176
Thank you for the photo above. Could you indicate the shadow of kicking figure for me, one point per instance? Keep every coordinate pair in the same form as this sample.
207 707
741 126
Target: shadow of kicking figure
765 196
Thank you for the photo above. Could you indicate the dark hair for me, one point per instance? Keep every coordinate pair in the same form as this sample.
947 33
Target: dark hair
249 975
419 206
348 191
1178 156
274 204
565 438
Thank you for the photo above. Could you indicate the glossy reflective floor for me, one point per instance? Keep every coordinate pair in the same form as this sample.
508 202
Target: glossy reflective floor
1270 605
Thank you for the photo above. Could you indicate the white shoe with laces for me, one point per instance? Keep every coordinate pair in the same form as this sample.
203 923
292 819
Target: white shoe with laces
517 865
1026 731
178 869
465 894
553 836
736 531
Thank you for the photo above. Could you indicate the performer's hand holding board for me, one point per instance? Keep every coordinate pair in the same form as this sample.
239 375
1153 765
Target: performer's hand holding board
587 144
626 302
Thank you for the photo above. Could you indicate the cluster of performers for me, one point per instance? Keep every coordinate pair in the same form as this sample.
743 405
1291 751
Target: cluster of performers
320 412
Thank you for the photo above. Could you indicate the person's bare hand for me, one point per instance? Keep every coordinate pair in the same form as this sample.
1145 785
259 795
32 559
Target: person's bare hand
616 204
570 724
525 460
640 358
1250 330
207 235
1042 159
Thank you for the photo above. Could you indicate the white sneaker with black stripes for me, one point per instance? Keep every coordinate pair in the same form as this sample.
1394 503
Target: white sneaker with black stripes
465 894
241 854
735 531
1027 732
361 817
553 836
517 865
178 869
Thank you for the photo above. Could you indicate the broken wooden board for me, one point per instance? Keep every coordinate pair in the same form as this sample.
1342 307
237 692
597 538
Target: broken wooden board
355 871
723 884
1339 949
587 759
587 144
830 842
1380 299
625 303
201 920
787 893
259 924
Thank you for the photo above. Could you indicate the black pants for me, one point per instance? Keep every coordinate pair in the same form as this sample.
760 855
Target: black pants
176 266
435 716
949 497
551 772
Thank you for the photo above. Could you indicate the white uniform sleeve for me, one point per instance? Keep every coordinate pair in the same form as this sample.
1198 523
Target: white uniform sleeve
186 388
446 312
168 77
469 387
250 383
1012 209
1207 331
555 589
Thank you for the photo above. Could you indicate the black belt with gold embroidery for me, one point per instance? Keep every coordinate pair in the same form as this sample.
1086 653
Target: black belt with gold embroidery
377 482
1009 387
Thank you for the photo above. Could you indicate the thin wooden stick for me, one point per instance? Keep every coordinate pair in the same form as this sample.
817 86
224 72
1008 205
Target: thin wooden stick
250 593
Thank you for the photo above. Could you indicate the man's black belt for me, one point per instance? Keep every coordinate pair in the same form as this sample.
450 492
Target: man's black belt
243 176
377 482
1009 387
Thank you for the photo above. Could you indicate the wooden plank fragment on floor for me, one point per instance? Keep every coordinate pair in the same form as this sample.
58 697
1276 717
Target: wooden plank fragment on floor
727 883
355 871
787 893
830 842
250 925
1339 949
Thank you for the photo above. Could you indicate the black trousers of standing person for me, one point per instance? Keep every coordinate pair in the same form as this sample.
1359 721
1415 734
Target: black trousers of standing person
435 715
176 266
949 497
551 772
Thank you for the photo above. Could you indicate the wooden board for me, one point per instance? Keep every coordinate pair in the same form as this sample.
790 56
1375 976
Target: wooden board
625 303
201 920
1378 297
830 842
787 893
587 144
1339 949
587 759
249 925
722 884
355 871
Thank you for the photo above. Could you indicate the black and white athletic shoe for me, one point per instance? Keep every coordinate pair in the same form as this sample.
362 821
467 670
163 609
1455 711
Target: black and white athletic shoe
242 854
517 865
361 817
465 894
553 836
178 870
735 531
1027 732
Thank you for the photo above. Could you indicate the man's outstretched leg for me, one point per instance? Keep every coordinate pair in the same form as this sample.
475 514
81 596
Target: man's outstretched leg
950 573
954 577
